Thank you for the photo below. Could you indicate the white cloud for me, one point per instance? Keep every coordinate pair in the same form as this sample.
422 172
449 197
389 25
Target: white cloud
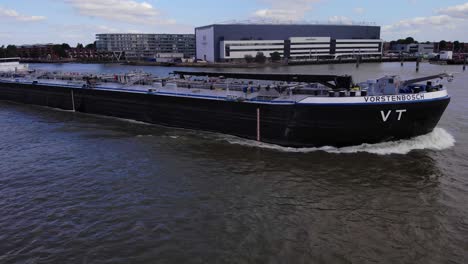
284 10
458 11
447 23
13 14
434 22
276 14
128 11
359 10
340 20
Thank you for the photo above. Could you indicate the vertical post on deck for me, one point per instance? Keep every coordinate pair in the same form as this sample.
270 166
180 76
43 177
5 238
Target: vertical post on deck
73 100
417 64
258 123
464 63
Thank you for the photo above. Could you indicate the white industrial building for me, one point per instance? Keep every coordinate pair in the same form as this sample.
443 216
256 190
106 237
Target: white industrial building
238 49
301 47
362 47
414 48
225 42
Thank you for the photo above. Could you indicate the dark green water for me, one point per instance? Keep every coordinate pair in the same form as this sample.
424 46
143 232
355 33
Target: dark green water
77 188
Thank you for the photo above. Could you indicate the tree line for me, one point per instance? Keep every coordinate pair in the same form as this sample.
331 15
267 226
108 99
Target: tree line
59 50
442 45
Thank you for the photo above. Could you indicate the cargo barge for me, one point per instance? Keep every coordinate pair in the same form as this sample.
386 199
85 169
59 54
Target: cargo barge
294 110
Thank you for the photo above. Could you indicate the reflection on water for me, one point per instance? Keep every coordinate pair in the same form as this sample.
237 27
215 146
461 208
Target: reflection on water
78 188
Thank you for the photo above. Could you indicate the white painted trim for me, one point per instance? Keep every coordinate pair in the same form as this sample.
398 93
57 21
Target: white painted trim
359 40
374 99
355 50
310 50
357 53
310 46
255 47
252 41
376 45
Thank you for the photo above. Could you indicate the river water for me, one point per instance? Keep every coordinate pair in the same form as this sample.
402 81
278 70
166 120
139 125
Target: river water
77 188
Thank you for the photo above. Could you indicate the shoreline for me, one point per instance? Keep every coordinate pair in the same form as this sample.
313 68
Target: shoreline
244 65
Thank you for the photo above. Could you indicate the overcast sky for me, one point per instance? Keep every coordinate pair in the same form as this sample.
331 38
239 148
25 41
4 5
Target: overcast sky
73 21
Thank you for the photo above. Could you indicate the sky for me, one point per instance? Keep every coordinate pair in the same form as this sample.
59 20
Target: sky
77 21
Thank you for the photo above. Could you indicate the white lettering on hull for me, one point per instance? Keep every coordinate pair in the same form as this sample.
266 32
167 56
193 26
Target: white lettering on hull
385 116
398 98
393 98
400 112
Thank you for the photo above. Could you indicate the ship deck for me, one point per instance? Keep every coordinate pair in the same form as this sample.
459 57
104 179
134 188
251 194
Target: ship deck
214 94
235 92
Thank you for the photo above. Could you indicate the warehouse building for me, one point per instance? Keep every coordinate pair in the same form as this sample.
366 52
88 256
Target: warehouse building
145 46
225 42
414 48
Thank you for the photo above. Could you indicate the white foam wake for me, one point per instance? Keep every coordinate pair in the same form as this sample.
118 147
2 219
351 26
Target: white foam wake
438 139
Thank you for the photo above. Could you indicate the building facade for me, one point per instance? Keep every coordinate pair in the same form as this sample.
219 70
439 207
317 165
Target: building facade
81 53
43 51
144 46
223 42
415 48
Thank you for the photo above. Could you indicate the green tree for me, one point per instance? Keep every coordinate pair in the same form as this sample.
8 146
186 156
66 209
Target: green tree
91 45
11 51
410 40
248 58
260 58
79 46
456 45
65 46
442 45
275 56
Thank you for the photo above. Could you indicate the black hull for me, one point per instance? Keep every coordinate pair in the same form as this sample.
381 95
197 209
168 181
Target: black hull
294 125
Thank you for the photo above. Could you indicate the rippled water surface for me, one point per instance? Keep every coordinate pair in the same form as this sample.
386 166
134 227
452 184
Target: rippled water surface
77 188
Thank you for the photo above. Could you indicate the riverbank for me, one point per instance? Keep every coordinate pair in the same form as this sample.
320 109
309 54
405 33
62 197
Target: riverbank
350 60
206 64
270 64
230 64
